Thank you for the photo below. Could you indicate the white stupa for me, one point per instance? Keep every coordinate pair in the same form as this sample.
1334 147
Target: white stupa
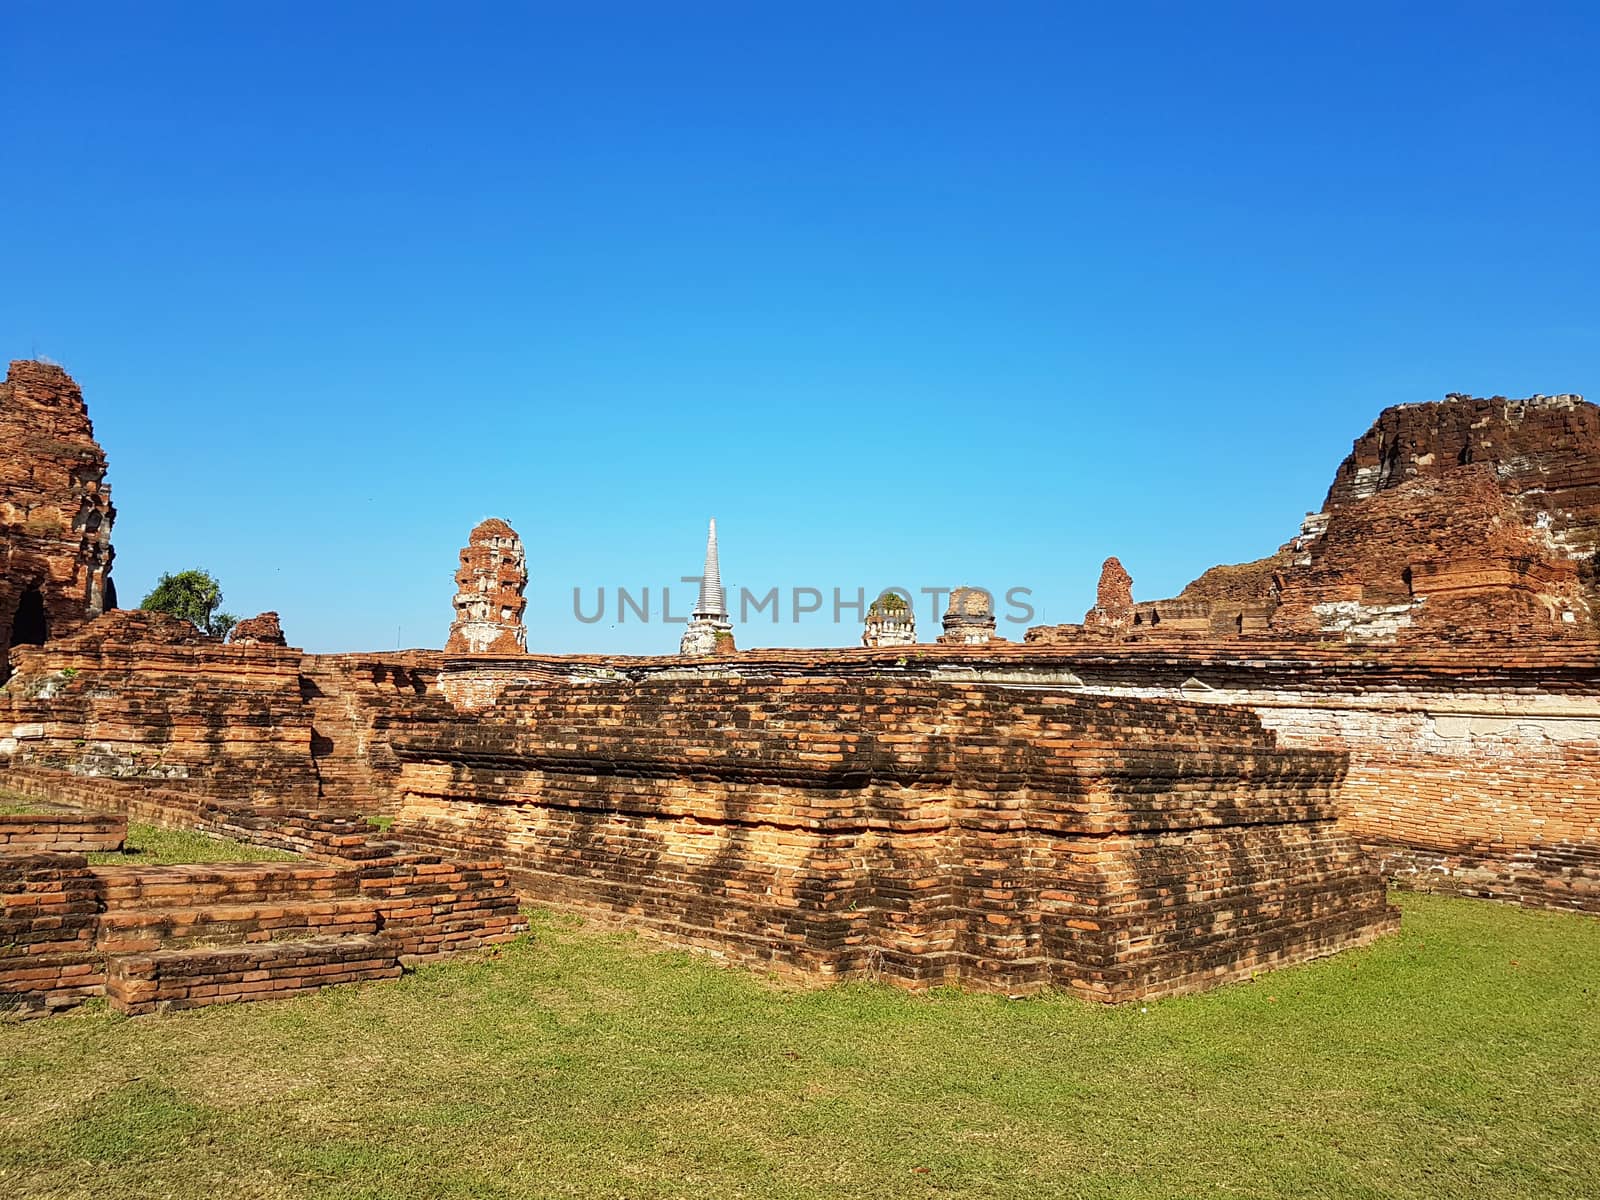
710 617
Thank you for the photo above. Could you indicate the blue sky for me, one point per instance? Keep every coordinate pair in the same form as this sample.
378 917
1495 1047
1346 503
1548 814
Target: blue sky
910 294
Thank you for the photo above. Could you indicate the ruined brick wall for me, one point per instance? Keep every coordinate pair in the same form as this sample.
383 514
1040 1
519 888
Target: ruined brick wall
352 700
142 695
138 695
1464 775
1239 583
55 510
62 832
298 828
924 834
1467 770
263 629
154 938
48 917
131 800
477 683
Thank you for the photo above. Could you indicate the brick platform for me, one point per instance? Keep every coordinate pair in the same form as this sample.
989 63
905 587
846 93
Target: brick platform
930 834
1469 770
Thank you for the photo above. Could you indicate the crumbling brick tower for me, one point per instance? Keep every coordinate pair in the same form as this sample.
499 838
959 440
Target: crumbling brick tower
55 510
489 601
969 619
1112 613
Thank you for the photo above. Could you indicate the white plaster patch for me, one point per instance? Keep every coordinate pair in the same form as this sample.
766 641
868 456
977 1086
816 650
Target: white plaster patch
1519 464
700 638
1363 622
1365 482
1519 728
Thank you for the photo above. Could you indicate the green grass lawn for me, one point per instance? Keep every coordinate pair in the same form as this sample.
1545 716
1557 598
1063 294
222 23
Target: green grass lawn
1458 1059
15 804
151 845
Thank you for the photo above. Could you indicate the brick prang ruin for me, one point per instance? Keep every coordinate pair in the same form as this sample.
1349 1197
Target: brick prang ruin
55 510
489 600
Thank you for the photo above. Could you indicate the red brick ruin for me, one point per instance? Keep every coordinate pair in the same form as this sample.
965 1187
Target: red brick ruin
1459 520
489 585
1113 605
55 510
969 618
1171 795
260 630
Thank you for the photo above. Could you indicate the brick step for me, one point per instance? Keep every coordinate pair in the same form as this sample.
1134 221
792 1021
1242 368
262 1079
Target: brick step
40 983
130 930
220 883
196 977
366 848
419 946
61 832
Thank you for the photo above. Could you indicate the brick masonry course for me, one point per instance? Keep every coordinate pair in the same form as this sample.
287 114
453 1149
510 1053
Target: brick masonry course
924 834
158 937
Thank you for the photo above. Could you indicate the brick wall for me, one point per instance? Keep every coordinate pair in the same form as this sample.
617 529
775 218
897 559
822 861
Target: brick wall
48 914
1471 767
65 832
1475 791
159 937
139 695
924 834
351 698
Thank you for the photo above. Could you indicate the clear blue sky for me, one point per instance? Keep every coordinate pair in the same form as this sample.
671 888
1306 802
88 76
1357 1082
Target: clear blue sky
915 294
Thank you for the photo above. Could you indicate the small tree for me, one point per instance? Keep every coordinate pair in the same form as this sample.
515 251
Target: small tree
194 596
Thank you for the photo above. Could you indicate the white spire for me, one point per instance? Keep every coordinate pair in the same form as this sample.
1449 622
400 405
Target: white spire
709 630
711 603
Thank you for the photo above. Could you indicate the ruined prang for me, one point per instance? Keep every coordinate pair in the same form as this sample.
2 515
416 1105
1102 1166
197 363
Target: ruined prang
55 510
1464 519
489 601
1112 613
